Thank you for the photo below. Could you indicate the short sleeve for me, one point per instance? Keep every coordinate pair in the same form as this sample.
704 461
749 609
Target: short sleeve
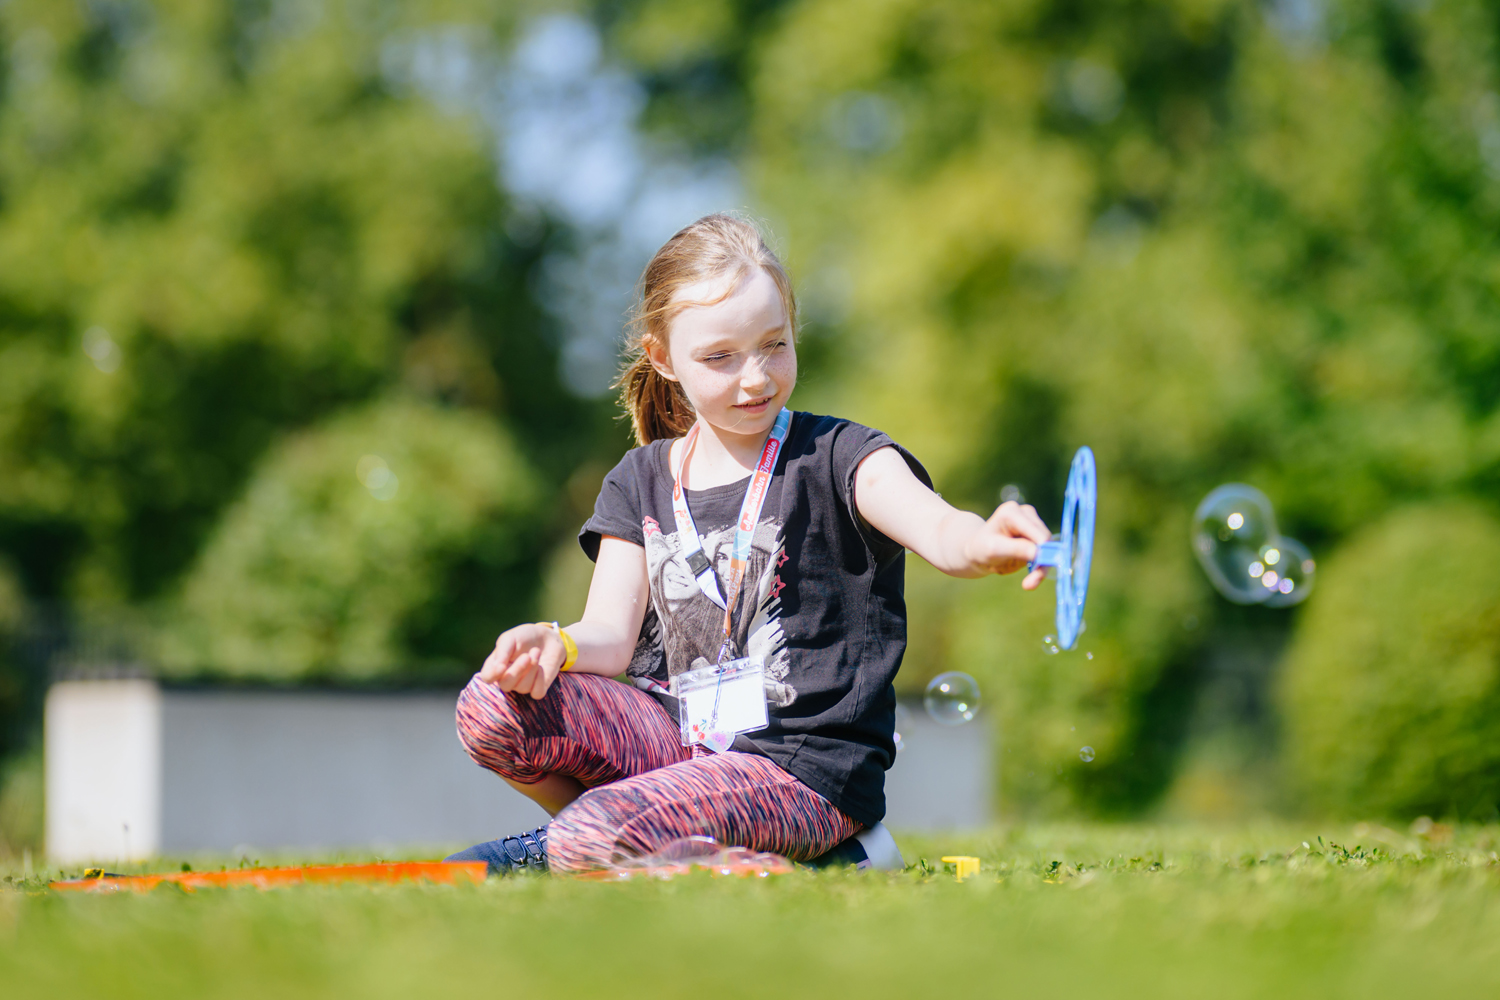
853 444
617 512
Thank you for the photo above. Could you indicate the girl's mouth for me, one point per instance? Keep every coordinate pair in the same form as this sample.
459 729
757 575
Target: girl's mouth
755 407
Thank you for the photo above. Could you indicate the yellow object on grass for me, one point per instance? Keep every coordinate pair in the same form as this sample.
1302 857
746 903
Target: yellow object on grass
963 864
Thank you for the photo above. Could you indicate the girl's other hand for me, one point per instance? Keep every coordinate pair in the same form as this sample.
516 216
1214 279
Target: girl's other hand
1008 542
526 660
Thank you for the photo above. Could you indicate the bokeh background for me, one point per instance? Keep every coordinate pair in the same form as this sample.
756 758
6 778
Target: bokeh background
309 310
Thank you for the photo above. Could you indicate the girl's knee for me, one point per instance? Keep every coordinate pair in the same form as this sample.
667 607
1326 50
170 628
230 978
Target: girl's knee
487 724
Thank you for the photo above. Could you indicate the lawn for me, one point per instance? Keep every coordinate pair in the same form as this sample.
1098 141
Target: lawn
1058 910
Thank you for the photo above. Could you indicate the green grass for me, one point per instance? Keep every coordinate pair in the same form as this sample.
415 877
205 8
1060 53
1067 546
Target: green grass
1090 911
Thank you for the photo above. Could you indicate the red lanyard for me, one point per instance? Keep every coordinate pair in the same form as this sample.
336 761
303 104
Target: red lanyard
744 532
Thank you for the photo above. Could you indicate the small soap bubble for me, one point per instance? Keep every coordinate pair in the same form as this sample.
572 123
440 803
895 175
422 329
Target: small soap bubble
952 698
101 349
1088 656
1086 754
1232 528
377 477
1294 581
1049 644
903 725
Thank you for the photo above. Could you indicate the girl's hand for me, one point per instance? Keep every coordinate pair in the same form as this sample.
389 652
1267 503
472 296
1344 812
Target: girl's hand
526 660
1008 541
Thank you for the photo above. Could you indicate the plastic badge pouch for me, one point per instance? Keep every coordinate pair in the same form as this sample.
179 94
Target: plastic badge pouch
1073 553
717 702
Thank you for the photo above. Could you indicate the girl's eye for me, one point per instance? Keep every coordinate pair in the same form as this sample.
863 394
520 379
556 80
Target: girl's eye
715 358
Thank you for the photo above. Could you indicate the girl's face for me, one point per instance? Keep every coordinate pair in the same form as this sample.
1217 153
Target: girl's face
735 358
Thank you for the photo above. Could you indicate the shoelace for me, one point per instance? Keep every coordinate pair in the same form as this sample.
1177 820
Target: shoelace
527 850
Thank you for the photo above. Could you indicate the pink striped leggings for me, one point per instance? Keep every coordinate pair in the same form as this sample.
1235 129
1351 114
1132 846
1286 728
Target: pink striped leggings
645 788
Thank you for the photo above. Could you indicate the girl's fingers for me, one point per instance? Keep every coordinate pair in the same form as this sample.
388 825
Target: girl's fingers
518 677
552 654
1019 521
1034 578
1036 528
541 682
494 666
500 658
1008 554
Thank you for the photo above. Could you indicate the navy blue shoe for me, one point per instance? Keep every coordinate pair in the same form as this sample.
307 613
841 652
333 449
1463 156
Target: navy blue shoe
523 852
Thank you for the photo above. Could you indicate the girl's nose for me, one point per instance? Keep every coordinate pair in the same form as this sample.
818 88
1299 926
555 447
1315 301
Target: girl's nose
754 376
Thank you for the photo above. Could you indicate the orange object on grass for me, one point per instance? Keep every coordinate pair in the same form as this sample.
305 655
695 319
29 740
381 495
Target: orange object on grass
445 872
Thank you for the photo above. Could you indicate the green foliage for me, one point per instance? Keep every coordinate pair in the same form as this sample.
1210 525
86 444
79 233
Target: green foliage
21 803
1391 691
15 684
346 537
218 224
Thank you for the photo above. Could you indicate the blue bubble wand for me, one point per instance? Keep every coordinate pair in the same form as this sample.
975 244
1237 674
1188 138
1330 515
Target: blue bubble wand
1073 552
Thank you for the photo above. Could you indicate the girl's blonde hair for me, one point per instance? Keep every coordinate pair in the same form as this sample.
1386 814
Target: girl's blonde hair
712 247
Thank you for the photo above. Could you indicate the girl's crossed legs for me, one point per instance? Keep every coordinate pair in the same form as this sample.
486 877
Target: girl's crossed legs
644 788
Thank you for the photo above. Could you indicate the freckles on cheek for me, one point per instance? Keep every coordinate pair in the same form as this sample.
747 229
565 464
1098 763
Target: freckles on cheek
707 384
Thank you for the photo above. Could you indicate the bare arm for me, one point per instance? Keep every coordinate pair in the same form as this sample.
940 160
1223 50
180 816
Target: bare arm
528 658
957 542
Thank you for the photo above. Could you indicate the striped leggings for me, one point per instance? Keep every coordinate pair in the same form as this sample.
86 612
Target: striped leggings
644 788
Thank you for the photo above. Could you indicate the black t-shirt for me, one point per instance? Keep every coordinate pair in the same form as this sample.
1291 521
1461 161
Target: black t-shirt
822 602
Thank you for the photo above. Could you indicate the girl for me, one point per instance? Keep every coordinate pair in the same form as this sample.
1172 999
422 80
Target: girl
738 530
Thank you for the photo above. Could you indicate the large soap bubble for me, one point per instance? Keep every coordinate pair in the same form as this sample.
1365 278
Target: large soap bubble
687 854
1230 528
1289 572
952 698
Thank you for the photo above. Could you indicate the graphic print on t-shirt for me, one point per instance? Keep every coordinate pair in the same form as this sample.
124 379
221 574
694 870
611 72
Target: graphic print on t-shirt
691 627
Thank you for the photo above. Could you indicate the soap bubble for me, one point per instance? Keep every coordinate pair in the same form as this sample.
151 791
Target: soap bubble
377 477
688 849
1049 643
102 349
1086 754
952 698
903 725
1290 571
1231 527
686 854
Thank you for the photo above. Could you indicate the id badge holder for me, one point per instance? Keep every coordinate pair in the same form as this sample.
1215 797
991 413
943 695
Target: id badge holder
717 703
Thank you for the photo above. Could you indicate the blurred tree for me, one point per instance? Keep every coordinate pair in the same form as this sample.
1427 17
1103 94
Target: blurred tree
219 223
345 540
1391 694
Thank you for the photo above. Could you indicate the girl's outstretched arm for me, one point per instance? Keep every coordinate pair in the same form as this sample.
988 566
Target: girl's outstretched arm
957 542
527 658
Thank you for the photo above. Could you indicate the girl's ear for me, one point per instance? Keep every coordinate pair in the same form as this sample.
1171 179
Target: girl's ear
656 353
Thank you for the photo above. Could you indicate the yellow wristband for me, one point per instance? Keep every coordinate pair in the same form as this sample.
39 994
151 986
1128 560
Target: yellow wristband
568 644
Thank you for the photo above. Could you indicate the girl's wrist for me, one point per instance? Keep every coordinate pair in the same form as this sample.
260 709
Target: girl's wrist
570 647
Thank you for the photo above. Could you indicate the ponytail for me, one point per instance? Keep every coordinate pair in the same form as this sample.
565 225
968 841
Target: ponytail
713 246
657 406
